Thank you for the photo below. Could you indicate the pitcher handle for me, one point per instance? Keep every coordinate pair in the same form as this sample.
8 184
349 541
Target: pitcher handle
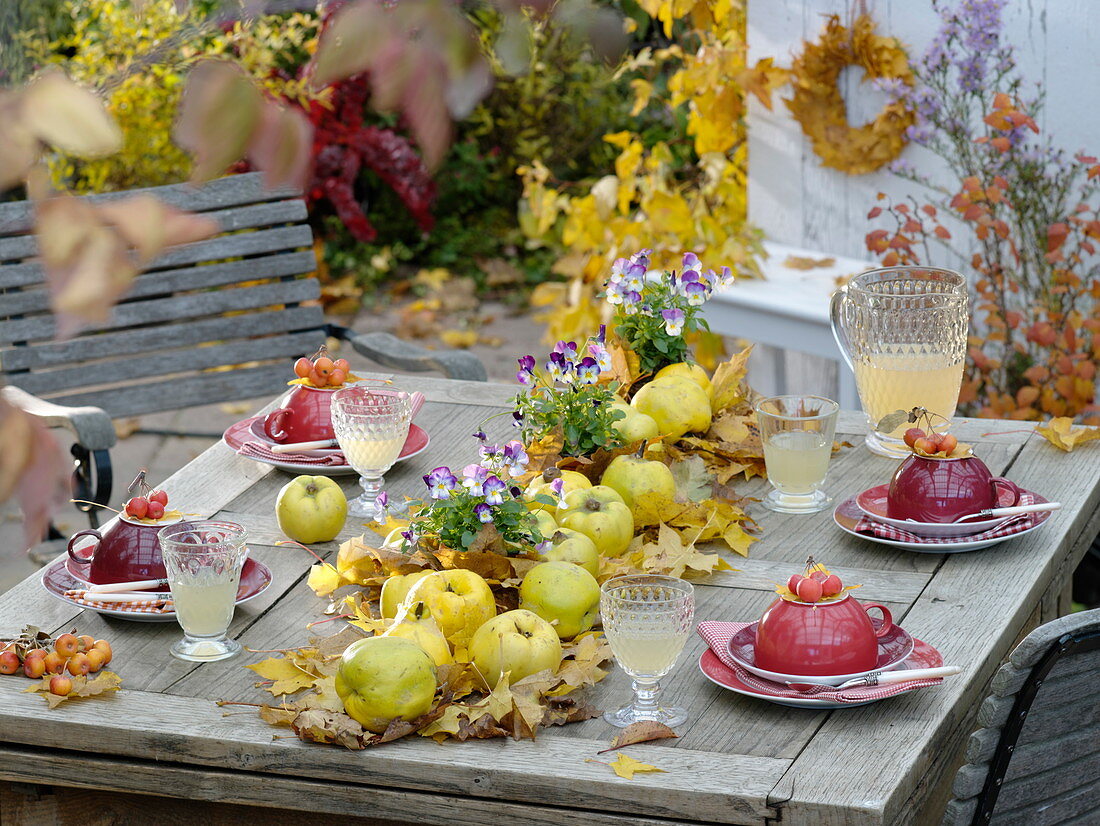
83 560
887 618
273 424
997 481
836 323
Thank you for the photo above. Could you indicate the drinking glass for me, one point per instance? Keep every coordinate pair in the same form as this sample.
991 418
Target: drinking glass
647 620
797 434
204 560
371 426
903 330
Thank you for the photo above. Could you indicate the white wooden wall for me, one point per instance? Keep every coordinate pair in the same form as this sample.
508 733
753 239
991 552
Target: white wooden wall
796 201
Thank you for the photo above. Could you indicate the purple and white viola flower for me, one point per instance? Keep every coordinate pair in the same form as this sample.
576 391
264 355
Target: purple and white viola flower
473 479
601 355
517 420
484 512
441 482
674 321
492 456
515 458
526 374
588 371
493 489
614 295
566 348
691 261
557 487
696 293
381 509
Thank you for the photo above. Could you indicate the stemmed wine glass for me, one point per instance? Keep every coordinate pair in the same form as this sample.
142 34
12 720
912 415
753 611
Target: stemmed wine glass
371 426
647 619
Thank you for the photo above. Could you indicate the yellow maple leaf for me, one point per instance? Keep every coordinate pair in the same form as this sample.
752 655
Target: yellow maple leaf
726 383
288 676
323 579
1061 433
626 766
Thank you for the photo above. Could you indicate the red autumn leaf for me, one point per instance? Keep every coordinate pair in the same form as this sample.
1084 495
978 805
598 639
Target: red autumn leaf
1001 144
942 232
874 213
971 184
1001 101
929 210
351 42
890 259
1056 236
973 212
902 208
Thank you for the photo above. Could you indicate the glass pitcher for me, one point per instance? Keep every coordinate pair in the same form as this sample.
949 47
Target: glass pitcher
903 332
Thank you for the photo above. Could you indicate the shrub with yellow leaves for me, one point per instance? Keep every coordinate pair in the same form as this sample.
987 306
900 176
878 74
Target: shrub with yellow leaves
661 195
140 59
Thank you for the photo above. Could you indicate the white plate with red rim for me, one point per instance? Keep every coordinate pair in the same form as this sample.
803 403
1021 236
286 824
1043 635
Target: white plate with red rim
873 502
893 648
848 514
923 656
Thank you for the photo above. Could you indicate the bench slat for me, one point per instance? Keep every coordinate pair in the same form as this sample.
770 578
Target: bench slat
182 279
163 363
146 339
222 193
159 310
153 397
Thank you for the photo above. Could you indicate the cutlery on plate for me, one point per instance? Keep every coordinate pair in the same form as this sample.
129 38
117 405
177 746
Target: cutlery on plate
294 447
128 597
879 678
118 587
993 513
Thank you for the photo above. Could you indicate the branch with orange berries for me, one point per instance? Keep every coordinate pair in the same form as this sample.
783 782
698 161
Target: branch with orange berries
924 441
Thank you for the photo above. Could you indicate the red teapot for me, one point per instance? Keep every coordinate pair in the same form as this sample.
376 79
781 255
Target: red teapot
304 417
821 639
934 489
126 551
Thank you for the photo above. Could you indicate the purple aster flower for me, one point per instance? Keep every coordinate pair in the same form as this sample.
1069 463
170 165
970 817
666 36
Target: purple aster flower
441 482
674 321
473 479
493 490
691 261
515 458
484 512
588 371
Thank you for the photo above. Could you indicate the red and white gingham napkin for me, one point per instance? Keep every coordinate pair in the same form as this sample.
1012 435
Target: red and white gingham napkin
718 635
1015 525
160 606
259 450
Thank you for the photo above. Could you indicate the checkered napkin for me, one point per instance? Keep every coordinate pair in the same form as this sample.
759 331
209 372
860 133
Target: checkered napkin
1015 525
259 450
161 606
718 635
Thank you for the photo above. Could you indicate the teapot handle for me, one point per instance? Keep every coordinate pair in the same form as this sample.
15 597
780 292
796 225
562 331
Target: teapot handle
83 560
836 323
887 618
273 427
1000 481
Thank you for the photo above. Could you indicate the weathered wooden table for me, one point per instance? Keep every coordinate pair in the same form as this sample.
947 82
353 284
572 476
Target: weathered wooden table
738 760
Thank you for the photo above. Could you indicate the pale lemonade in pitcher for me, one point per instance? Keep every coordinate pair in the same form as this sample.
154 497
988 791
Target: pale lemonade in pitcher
797 460
902 381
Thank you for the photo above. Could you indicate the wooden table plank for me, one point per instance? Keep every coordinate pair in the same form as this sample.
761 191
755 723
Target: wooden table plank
698 785
973 610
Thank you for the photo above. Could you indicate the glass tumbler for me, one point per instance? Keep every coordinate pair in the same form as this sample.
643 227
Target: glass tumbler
647 619
204 559
371 426
903 332
797 434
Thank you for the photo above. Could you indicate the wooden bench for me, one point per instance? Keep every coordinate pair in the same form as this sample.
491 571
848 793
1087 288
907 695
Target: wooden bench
215 321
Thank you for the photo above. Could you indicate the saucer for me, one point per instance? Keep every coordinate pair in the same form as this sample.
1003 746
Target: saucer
873 503
57 579
893 648
252 429
847 514
923 656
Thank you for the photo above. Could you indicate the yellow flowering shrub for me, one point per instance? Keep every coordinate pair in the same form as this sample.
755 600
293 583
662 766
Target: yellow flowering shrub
659 196
140 60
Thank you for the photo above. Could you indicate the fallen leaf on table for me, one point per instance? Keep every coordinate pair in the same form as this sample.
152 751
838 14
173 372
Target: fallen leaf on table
1061 433
277 716
459 338
83 686
694 482
801 262
726 382
626 766
643 731
288 676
